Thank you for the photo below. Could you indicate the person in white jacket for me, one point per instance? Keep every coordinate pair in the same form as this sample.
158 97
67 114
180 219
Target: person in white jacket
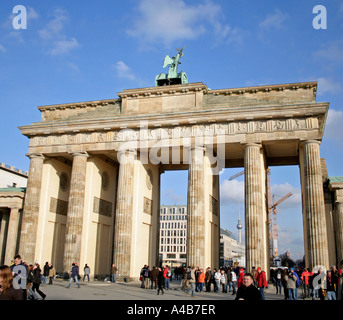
217 276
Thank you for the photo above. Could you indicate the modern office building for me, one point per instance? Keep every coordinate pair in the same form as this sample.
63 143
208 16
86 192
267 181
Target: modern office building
232 251
173 234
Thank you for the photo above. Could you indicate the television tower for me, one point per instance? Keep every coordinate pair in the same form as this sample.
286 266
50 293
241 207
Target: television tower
239 225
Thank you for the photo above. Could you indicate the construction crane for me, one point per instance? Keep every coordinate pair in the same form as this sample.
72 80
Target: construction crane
273 224
272 213
236 175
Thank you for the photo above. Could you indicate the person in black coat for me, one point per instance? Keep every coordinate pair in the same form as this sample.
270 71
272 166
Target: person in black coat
160 280
36 281
248 291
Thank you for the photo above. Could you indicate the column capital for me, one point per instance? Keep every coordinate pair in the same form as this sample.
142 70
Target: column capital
80 153
252 144
126 156
35 155
306 142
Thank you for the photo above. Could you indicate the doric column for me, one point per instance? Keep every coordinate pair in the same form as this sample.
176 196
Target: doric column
196 209
12 235
72 248
124 213
28 236
256 233
4 219
314 211
338 195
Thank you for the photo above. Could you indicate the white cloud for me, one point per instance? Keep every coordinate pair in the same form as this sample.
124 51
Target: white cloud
124 71
171 197
63 46
327 85
333 127
2 48
167 21
332 52
281 190
232 191
53 34
273 21
31 13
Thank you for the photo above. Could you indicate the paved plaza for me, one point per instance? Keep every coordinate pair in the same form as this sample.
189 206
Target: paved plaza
129 301
98 290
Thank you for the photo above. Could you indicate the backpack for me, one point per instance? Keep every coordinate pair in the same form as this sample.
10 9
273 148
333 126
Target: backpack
146 273
189 275
168 273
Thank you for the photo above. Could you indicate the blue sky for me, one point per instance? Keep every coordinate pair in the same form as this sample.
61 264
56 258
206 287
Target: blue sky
79 51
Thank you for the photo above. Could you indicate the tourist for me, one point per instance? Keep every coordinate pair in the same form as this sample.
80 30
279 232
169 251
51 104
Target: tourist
201 280
160 281
31 295
191 282
223 281
184 283
52 273
297 283
153 277
7 291
46 269
240 278
340 283
217 275
261 280
147 278
278 282
86 272
196 273
254 274
208 279
36 281
335 277
316 282
284 283
233 280
291 279
166 275
74 276
19 271
114 271
305 278
330 286
247 291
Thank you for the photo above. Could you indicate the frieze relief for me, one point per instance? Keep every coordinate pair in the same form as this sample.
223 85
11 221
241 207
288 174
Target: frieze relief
144 133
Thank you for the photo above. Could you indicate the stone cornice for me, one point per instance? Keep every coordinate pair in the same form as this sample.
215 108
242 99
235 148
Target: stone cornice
266 88
79 105
164 90
189 117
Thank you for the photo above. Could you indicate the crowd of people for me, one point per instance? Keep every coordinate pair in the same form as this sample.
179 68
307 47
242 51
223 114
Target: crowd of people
22 281
315 284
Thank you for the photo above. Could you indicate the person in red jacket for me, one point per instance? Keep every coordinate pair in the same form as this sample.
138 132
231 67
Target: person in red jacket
240 278
261 282
305 278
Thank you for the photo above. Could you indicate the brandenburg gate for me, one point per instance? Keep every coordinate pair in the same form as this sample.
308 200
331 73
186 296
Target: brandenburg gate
93 190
